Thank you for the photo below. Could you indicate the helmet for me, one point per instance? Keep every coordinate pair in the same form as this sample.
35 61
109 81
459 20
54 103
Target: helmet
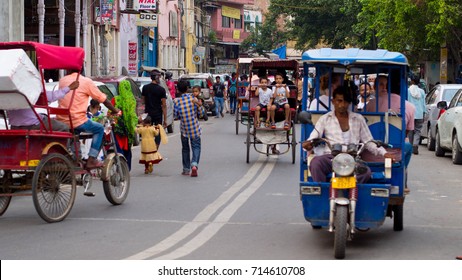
168 75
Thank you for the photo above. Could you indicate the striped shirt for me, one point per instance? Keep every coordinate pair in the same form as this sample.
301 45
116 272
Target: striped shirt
359 132
185 110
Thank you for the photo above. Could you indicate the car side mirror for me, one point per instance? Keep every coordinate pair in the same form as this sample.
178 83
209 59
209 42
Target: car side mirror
442 105
305 117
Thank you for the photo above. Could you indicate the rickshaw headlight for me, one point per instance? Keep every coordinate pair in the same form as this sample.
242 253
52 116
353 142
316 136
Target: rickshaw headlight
343 164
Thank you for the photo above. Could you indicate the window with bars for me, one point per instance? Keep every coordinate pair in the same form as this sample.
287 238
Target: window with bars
225 22
238 23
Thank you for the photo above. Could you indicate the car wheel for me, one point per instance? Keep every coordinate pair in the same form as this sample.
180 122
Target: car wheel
439 152
456 151
170 128
430 140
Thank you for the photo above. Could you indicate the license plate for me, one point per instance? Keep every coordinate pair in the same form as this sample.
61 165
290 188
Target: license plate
343 182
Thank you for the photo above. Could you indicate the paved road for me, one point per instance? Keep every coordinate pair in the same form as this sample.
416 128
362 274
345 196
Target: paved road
233 210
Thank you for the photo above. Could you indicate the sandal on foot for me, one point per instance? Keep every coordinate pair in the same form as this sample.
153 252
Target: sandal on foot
273 125
257 124
286 125
267 124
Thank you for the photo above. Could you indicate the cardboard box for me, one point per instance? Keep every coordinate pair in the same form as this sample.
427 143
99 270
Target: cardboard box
18 73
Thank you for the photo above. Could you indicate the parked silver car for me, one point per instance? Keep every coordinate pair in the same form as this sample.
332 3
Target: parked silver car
205 81
449 128
438 93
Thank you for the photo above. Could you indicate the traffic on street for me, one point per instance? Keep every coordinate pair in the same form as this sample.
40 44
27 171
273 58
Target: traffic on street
232 210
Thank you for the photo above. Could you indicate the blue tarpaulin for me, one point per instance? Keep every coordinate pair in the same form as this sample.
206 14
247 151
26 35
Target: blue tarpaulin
281 51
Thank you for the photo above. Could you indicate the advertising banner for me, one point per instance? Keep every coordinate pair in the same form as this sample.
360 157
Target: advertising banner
132 61
230 12
146 5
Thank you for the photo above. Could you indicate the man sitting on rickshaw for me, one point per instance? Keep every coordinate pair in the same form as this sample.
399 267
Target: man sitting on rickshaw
395 106
26 118
341 126
78 113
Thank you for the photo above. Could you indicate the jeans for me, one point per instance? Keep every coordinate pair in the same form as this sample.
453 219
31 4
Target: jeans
185 152
219 102
156 121
407 153
414 136
232 103
97 130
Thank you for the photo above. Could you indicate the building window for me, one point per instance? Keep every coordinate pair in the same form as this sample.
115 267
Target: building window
225 22
238 23
173 24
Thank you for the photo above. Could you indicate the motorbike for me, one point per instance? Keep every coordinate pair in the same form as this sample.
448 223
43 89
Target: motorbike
343 192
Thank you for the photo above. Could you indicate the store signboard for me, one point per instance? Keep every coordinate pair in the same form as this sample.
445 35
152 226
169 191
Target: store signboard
132 54
230 12
146 5
146 19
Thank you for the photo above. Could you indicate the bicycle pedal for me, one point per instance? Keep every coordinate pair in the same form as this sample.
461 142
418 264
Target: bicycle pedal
89 194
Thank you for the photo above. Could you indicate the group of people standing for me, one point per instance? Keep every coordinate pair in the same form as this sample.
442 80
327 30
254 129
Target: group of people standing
225 95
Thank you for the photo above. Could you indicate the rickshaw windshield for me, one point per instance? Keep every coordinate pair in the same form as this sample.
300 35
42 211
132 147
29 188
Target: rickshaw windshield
378 81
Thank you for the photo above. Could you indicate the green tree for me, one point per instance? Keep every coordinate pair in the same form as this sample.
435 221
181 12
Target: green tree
318 21
265 38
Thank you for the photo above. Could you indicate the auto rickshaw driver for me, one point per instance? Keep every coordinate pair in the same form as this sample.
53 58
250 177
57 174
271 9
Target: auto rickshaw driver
341 125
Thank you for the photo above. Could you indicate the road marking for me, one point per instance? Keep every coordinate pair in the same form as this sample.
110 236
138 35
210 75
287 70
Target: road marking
222 218
203 217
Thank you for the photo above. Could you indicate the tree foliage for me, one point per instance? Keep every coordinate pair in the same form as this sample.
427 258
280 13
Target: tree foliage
266 37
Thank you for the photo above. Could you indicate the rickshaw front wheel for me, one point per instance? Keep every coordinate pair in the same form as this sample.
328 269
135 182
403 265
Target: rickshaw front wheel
118 184
54 188
341 231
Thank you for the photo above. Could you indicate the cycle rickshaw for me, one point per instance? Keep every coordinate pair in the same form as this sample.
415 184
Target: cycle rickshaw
262 138
345 206
44 163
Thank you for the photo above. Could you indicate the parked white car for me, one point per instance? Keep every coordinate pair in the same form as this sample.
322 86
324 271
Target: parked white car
449 129
438 93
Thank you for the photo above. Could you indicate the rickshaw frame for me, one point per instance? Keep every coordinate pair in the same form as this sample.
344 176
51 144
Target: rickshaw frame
43 160
251 137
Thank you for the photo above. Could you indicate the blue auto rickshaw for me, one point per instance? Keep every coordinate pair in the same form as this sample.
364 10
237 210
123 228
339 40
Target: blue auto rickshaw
362 206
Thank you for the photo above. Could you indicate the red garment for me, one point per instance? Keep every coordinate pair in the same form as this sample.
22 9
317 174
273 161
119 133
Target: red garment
122 140
171 88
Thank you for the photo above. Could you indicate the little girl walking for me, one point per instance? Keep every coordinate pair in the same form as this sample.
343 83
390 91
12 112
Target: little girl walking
149 154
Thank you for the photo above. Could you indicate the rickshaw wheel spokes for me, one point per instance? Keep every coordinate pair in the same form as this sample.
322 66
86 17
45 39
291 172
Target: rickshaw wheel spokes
117 187
54 188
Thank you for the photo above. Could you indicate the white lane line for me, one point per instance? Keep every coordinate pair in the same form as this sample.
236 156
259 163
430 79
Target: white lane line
222 218
202 217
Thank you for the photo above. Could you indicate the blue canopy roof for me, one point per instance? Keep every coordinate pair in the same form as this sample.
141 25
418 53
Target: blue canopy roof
353 56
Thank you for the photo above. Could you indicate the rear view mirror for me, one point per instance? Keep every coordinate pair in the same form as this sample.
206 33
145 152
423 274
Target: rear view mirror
305 117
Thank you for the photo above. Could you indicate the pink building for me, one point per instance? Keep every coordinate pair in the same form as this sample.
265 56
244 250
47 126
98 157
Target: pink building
169 35
227 22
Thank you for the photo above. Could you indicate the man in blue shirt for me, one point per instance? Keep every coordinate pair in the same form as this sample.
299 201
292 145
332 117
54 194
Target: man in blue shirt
417 97
185 109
